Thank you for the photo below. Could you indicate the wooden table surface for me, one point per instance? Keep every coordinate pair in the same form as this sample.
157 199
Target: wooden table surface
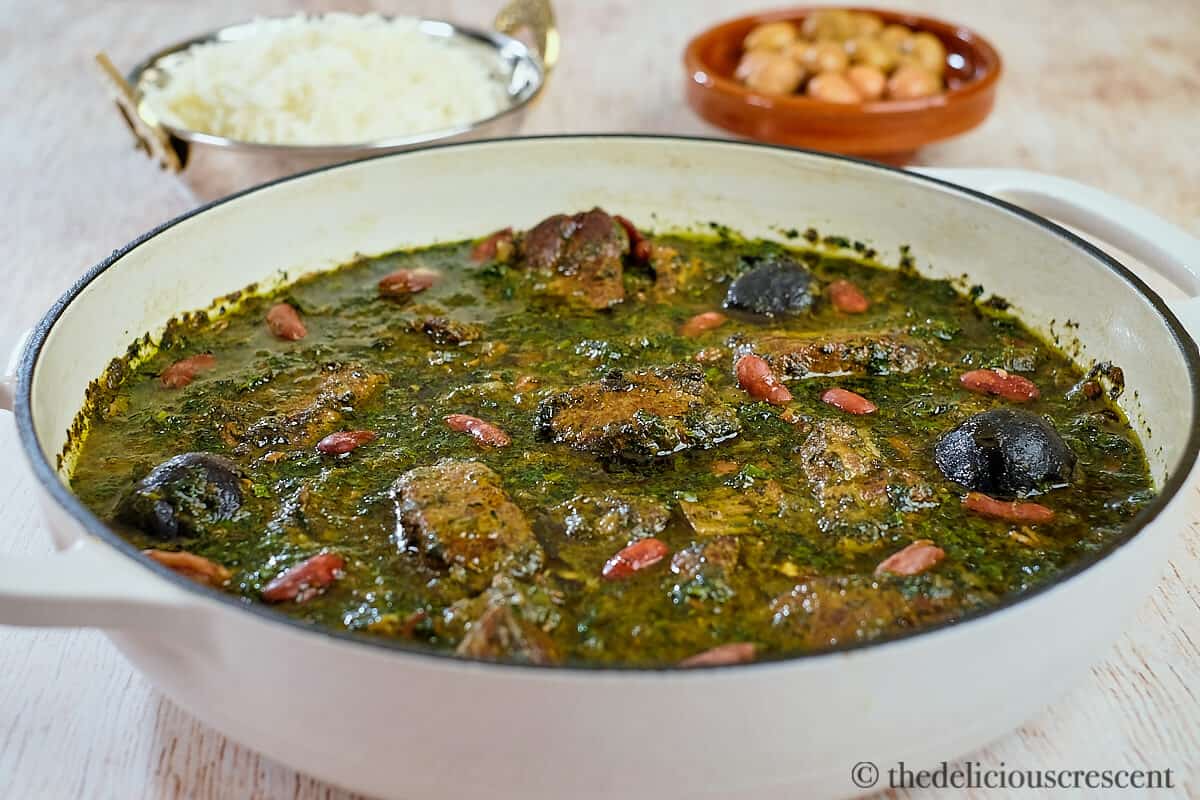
1104 92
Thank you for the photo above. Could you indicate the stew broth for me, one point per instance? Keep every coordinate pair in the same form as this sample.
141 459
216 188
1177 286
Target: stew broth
578 444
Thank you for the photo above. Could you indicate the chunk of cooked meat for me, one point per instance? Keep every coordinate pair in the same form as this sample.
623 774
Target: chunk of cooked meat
775 286
735 512
582 253
576 530
849 477
457 515
639 245
184 496
715 556
443 330
704 569
817 354
307 408
829 611
838 452
1005 452
611 517
509 621
638 416
497 247
500 634
672 272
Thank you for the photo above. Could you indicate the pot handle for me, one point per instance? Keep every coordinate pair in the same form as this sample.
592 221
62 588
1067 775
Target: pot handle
1165 248
88 585
8 378
148 135
537 16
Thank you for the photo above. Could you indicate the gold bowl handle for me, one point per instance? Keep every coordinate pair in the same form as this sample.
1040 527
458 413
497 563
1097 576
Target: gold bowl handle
538 17
151 138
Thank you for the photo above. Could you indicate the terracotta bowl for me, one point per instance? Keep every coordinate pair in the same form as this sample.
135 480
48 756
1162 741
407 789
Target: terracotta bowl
887 130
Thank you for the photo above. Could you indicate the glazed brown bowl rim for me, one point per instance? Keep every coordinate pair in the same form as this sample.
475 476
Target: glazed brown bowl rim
702 75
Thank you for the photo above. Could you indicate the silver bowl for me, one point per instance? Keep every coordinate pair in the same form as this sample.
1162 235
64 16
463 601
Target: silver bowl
215 166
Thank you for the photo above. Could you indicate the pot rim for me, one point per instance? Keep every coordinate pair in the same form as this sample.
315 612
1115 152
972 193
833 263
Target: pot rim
48 477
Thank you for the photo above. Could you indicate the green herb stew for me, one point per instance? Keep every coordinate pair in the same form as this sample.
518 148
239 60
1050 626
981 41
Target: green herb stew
583 444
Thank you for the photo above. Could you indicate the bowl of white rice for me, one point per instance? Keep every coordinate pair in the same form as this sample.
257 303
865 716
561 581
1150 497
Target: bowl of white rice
275 96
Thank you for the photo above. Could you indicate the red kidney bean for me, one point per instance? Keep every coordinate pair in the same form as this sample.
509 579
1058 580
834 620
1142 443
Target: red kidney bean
912 560
484 432
732 653
284 321
404 282
639 246
1028 513
1000 383
344 441
755 376
702 323
184 371
499 244
192 566
847 298
306 580
637 556
848 401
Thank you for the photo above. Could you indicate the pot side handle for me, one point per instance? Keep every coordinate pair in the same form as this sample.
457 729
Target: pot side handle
536 16
87 585
1165 248
8 378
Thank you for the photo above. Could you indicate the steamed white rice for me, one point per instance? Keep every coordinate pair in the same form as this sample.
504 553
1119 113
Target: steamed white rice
334 79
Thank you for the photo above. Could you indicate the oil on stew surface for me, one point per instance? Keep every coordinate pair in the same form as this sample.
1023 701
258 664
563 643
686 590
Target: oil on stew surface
580 443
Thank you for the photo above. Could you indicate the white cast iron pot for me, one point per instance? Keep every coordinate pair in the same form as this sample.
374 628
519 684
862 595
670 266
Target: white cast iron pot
395 723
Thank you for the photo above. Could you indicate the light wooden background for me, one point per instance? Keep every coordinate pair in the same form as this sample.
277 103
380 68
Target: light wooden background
1105 92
